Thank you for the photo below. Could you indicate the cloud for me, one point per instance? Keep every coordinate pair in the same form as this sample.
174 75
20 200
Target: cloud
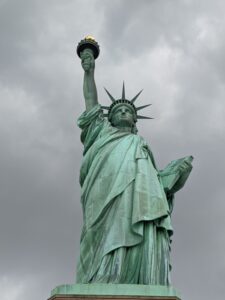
12 290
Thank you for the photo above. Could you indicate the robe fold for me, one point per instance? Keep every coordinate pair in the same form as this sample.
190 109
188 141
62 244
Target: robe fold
126 216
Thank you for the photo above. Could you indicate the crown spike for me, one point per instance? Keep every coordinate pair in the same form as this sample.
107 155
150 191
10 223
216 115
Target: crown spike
135 97
143 117
110 96
123 91
141 107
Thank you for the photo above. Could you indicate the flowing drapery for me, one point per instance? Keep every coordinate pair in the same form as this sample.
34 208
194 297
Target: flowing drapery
126 217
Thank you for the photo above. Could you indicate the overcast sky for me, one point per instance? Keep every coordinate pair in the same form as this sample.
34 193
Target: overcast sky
174 50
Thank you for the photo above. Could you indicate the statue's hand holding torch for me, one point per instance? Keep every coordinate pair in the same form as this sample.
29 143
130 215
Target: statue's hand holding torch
87 60
88 50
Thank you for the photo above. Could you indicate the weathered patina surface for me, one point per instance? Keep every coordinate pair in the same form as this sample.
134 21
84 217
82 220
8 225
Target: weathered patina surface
114 292
127 202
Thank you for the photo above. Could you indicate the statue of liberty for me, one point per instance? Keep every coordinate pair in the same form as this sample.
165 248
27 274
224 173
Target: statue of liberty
127 202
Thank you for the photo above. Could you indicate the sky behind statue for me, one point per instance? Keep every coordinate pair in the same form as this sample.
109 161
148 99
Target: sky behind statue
177 51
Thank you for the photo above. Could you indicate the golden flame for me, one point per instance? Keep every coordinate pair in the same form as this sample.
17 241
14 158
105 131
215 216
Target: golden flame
89 37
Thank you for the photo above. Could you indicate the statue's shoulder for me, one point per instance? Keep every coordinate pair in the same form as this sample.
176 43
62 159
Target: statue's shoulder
88 117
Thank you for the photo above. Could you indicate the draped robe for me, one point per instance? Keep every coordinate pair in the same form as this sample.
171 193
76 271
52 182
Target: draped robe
126 215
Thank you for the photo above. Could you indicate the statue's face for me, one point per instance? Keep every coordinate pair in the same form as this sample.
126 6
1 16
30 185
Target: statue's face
87 59
123 116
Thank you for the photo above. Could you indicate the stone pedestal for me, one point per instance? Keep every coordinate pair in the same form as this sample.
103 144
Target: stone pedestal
114 292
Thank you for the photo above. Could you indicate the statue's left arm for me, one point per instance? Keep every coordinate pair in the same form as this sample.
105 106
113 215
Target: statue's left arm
175 175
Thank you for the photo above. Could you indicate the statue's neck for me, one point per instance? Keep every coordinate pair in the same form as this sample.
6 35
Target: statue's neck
125 129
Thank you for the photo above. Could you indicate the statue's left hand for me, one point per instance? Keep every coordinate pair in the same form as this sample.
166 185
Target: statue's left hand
185 170
175 174
185 166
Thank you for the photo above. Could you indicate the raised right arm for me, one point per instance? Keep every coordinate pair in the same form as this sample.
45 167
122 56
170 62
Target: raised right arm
89 87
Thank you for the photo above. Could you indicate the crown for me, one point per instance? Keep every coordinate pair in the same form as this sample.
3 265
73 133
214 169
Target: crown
124 101
88 42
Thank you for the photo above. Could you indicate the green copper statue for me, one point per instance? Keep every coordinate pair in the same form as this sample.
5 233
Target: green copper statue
127 202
